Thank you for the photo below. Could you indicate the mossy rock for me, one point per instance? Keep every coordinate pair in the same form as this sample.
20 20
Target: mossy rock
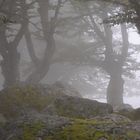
98 129
136 113
32 127
17 100
73 129
133 114
74 107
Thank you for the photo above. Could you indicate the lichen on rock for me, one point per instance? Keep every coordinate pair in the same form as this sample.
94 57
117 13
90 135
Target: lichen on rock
75 107
34 113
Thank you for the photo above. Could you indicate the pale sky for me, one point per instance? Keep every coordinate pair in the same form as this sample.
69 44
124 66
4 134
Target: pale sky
134 37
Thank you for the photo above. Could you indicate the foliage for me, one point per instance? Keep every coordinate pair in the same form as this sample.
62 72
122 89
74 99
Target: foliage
128 16
130 12
4 20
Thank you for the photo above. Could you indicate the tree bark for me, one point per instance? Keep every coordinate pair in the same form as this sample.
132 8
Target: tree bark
115 90
10 68
48 27
8 49
114 66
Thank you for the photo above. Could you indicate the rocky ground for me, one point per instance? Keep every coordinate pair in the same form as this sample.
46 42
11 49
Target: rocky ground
47 113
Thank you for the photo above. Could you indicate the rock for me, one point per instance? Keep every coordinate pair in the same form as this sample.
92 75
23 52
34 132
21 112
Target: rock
113 118
136 113
2 119
75 107
37 126
123 107
32 127
17 100
132 114
48 114
99 129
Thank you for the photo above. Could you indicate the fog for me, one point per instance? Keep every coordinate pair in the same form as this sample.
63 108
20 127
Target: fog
67 41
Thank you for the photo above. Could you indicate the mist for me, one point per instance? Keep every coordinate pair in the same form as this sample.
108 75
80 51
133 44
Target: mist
70 44
69 69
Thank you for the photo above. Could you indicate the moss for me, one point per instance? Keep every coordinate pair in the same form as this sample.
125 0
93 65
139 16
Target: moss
90 130
31 131
132 134
132 115
126 114
15 100
68 109
79 130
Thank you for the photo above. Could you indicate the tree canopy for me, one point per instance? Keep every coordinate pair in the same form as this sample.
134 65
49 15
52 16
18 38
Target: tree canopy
130 12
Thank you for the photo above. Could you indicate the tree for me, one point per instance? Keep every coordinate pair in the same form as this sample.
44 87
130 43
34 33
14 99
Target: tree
48 29
9 40
130 14
113 61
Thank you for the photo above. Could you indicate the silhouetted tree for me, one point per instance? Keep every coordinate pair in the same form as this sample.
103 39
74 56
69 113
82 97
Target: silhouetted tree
9 41
113 61
48 29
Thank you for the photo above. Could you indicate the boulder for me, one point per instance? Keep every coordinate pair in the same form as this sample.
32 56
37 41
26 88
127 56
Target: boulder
133 114
46 127
41 113
136 113
75 107
17 100
113 118
123 107
34 126
100 128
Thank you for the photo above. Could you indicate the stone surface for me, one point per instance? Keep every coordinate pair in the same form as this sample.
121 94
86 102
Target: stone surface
36 126
125 107
47 114
75 107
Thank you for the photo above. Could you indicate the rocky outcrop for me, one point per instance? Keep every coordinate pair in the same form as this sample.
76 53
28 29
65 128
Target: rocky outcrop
133 114
46 127
125 107
36 113
32 127
136 113
17 100
75 107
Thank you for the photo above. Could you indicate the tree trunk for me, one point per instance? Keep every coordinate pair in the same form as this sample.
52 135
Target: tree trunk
8 49
115 90
10 69
48 27
113 64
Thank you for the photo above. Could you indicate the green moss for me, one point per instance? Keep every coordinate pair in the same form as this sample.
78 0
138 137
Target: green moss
90 130
69 110
30 131
133 115
133 134
79 130
16 99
